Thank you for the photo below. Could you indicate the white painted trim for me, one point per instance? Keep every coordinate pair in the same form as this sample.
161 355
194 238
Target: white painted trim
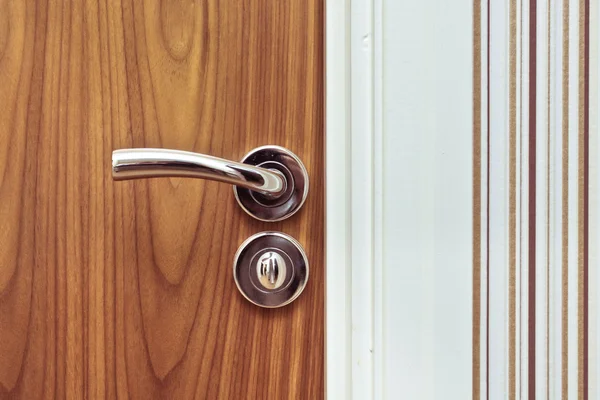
356 319
378 193
338 217
350 203
362 196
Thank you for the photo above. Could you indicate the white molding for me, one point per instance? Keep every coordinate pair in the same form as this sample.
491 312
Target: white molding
351 205
378 193
358 323
338 217
362 196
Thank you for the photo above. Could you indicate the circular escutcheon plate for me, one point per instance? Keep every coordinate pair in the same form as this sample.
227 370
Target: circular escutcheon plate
270 269
289 165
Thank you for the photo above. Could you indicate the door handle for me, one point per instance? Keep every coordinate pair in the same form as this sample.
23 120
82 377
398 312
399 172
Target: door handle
270 182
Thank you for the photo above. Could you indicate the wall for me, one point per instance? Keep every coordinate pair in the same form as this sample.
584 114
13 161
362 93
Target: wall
462 190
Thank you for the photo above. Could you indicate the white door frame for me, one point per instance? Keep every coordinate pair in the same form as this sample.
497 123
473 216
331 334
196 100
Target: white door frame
351 214
355 287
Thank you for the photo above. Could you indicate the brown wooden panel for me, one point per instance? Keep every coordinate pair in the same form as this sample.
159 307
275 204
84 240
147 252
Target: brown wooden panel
125 289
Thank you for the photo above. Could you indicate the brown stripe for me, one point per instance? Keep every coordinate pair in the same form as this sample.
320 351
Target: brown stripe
532 193
586 204
565 202
512 202
549 89
521 263
487 256
476 198
580 206
582 316
580 162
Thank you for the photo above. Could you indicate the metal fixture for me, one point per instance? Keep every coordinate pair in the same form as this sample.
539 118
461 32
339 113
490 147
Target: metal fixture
270 183
270 269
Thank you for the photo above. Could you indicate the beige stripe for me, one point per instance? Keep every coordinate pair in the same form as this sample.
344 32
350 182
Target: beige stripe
476 198
593 202
580 205
512 224
565 200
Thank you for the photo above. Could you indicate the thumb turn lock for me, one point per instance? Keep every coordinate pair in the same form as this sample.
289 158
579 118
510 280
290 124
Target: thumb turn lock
270 269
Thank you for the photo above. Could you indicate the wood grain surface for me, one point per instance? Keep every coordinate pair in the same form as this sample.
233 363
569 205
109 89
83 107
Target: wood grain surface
125 289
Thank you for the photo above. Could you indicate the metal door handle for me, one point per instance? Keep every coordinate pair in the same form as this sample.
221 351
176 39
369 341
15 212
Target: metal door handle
151 163
270 183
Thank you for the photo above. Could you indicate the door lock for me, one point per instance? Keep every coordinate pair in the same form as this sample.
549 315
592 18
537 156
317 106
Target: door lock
270 269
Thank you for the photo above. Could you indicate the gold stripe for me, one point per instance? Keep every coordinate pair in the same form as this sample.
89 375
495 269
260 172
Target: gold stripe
580 205
512 224
476 198
565 201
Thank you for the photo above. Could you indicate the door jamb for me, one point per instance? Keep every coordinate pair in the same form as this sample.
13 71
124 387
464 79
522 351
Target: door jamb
353 149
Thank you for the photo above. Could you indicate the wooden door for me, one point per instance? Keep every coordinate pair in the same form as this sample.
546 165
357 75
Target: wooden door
125 289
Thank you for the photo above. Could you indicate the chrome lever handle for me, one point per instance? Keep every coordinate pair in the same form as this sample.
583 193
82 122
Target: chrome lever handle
270 183
153 163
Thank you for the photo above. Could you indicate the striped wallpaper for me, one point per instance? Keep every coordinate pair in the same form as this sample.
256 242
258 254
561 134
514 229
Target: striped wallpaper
536 197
